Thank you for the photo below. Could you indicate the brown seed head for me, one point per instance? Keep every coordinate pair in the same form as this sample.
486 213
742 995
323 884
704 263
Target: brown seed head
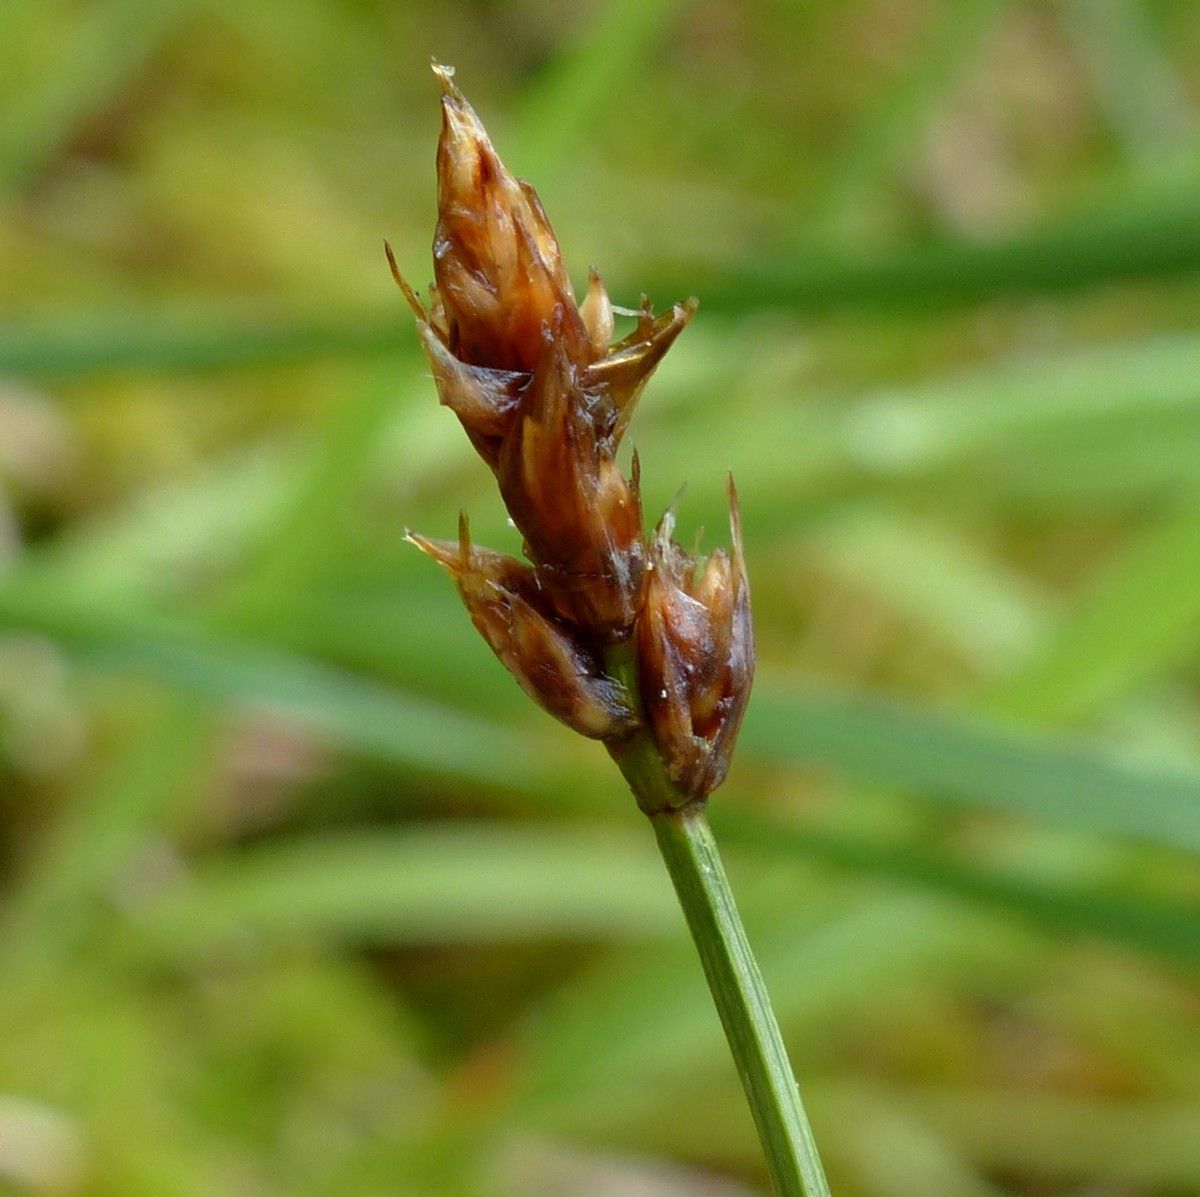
557 671
696 655
546 398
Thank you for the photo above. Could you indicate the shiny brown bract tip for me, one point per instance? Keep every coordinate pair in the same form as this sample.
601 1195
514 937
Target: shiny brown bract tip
508 609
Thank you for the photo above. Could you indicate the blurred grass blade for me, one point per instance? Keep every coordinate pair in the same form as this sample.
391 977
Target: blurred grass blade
1156 238
1159 238
1140 617
654 1018
306 538
1143 1143
967 762
154 546
596 74
110 42
368 716
940 757
1026 402
984 609
1157 927
133 801
200 338
460 883
1135 82
896 117
1107 423
891 1152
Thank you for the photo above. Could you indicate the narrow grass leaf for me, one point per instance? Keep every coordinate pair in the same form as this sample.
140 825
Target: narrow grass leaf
1171 930
200 338
458 883
1140 617
407 731
970 762
1158 238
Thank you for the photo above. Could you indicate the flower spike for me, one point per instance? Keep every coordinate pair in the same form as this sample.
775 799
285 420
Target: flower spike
546 397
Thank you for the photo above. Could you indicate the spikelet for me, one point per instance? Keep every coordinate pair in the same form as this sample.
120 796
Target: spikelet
502 597
546 398
696 655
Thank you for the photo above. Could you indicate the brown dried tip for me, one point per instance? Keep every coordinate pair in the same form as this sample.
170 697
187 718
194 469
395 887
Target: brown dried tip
560 674
696 655
499 271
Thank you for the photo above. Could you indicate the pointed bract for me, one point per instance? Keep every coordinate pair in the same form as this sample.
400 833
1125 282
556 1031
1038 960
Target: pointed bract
621 373
560 674
484 400
597 313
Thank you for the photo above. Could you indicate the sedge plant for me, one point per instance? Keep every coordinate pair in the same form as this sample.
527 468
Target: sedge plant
625 638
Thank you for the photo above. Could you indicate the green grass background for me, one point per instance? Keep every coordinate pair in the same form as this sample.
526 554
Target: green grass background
299 895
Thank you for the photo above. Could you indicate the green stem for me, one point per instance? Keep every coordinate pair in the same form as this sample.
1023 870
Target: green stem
690 852
694 864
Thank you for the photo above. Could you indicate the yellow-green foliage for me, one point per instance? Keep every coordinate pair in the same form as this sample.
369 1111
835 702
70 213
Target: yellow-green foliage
300 900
